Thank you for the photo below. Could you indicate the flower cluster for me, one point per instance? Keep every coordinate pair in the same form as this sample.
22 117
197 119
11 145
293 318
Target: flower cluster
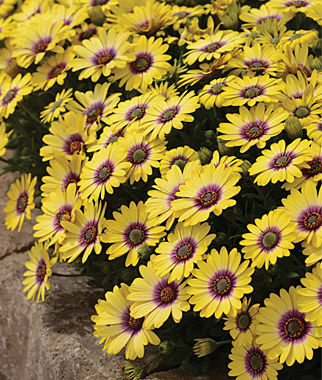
183 142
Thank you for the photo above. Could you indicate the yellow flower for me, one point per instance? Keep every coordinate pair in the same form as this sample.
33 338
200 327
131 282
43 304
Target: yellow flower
116 327
21 201
4 138
271 237
219 283
148 64
179 156
130 229
281 162
314 254
54 109
254 17
213 93
36 279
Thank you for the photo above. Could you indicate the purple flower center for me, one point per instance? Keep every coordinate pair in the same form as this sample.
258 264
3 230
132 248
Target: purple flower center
217 88
255 362
179 160
297 3
184 250
56 70
165 293
70 178
257 65
243 321
9 96
64 213
254 129
269 239
314 169
130 324
104 172
222 284
252 91
74 144
169 114
41 45
142 63
113 137
22 203
136 112
41 271
94 112
312 221
138 154
276 17
105 56
208 196
89 234
135 235
211 48
282 160
293 326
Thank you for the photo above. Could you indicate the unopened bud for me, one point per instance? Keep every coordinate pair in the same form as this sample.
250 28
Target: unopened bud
207 346
210 136
223 149
316 64
221 238
38 201
167 347
293 127
205 155
245 166
96 15
144 251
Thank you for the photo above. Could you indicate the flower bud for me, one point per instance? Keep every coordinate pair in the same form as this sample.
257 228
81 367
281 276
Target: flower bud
204 347
144 251
210 136
205 155
245 166
223 149
167 347
96 15
132 371
221 238
316 64
293 127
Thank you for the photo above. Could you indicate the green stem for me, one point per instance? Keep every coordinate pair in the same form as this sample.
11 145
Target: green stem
13 165
30 114
67 275
152 360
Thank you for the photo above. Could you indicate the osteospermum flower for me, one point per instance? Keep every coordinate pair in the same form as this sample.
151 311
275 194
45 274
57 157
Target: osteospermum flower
163 89
21 201
314 131
67 135
106 170
252 127
4 138
130 229
281 162
165 189
209 190
95 105
305 208
101 54
250 362
213 93
179 156
116 327
254 17
184 248
169 114
149 63
108 136
62 172
271 237
251 90
314 254
83 235
231 161
312 169
132 113
54 109
242 326
213 46
284 332
37 36
310 296
59 205
290 5
297 59
53 70
12 91
36 279
142 154
155 298
219 283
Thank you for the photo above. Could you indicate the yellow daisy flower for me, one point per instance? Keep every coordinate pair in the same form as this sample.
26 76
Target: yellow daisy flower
310 296
163 89
105 5
54 109
4 138
132 113
72 15
130 229
37 36
12 92
290 5
53 70
86 32
251 90
314 254
281 162
165 115
242 326
95 105
142 155
300 37
254 60
179 156
106 170
212 46
101 54
305 208
62 172
21 201
312 169
84 234
155 298
210 190
284 332
231 161
296 59
30 8
6 26
252 127
148 64
166 188
213 93
314 131
219 284
271 237
116 327
59 205
108 136
6 7
250 362
184 248
254 17
67 135
39 266
314 12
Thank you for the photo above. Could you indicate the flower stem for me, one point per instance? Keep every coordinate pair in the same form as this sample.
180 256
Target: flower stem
13 165
67 275
152 360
